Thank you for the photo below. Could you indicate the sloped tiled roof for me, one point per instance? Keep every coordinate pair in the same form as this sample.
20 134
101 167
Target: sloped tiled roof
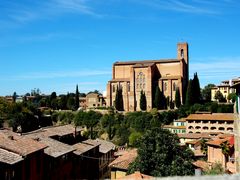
214 116
218 142
9 157
105 146
201 164
136 175
56 148
122 162
197 135
82 148
19 144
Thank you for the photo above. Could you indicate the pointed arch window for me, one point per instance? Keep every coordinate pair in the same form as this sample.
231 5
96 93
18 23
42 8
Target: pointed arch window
140 81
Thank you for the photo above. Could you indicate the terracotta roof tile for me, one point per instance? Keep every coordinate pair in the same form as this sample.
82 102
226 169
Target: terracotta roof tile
197 135
82 148
137 175
122 162
214 116
19 144
201 164
105 146
56 148
9 157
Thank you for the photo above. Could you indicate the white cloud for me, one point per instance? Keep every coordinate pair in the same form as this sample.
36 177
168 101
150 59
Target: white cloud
215 70
53 75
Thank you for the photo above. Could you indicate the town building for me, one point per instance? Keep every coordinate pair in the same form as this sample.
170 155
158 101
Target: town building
137 175
226 87
179 126
215 122
215 153
237 126
136 76
57 152
120 165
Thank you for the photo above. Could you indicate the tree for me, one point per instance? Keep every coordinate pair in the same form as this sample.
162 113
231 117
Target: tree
206 92
77 98
119 99
219 96
160 101
196 89
91 119
159 154
157 98
14 97
143 101
177 98
225 146
204 147
232 97
70 103
216 169
189 95
134 138
108 123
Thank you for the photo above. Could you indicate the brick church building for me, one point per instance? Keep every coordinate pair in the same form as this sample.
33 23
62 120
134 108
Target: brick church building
134 76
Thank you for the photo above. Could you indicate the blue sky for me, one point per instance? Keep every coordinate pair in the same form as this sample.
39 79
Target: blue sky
55 44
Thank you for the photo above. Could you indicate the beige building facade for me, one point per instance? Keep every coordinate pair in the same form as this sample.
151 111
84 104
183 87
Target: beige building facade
136 76
225 88
210 123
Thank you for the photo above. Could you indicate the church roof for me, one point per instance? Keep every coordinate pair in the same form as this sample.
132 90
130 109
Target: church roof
145 61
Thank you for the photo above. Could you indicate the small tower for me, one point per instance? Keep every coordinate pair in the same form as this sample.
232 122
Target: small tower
182 51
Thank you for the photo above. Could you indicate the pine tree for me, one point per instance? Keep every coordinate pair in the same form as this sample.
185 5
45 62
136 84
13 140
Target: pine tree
189 95
177 98
157 98
77 98
143 101
196 89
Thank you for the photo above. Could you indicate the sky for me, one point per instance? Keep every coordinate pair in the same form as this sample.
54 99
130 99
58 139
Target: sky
54 45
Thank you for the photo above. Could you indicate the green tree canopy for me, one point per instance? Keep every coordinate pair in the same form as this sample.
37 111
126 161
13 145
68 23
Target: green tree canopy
77 98
196 89
219 96
232 97
206 92
159 154
160 101
189 95
143 101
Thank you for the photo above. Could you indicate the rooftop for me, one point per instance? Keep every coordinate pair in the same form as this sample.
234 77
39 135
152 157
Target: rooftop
197 135
56 148
136 175
146 61
21 145
214 116
105 146
9 157
82 148
123 161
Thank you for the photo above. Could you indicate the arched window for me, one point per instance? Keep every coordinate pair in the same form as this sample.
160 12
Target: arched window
190 127
230 129
128 86
113 88
205 128
221 128
140 81
182 53
213 128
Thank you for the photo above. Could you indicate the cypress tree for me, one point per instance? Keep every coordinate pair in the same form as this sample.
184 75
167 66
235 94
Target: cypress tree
119 100
77 98
196 89
157 98
189 96
143 101
177 98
